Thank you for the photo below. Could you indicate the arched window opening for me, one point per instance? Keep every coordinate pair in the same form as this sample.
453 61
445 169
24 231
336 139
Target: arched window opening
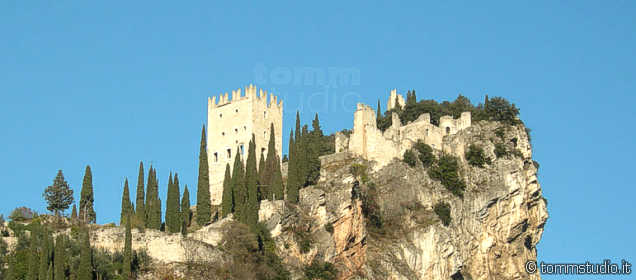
447 130
229 153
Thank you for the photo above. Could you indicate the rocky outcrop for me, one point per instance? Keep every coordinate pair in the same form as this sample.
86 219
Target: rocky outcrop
494 229
382 224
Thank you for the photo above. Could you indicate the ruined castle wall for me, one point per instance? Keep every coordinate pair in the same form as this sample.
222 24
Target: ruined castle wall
370 143
231 123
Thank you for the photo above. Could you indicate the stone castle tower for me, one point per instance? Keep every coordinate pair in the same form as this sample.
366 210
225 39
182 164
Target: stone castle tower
231 124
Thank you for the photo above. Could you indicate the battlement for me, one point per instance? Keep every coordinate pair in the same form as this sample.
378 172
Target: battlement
249 93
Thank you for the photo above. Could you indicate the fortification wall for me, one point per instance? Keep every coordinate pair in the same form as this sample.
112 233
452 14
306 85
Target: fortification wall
231 123
371 143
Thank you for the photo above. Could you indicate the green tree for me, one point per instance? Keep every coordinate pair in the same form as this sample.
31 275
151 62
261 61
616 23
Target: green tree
425 153
59 195
34 247
409 158
251 183
500 109
87 211
227 202
475 156
127 262
378 113
153 203
204 212
185 208
292 166
125 204
45 254
238 188
277 181
85 267
74 213
140 211
59 258
173 216
263 187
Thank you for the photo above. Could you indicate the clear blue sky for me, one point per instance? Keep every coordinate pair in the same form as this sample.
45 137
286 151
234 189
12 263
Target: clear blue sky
110 84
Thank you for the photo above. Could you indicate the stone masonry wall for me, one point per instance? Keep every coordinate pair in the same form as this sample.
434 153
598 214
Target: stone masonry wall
231 124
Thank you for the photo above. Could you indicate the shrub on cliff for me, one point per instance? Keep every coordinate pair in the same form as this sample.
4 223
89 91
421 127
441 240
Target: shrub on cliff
475 156
446 171
321 270
409 158
443 211
425 152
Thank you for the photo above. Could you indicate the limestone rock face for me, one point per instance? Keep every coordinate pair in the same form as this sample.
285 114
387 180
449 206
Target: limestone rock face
494 228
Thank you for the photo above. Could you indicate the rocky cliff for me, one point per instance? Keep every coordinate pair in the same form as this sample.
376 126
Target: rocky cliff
382 224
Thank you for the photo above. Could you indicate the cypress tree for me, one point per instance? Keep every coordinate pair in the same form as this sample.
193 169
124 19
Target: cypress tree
227 202
272 165
125 204
277 181
313 146
204 211
74 213
238 188
185 209
173 217
85 266
127 262
60 258
86 211
153 203
140 211
292 166
378 112
34 258
45 253
148 202
262 176
251 178
297 126
170 209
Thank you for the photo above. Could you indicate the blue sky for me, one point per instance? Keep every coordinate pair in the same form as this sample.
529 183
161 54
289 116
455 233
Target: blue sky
110 84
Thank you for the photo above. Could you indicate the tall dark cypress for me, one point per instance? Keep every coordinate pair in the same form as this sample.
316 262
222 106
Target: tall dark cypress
140 211
270 167
45 254
33 256
238 188
74 213
59 258
227 202
185 209
153 203
125 204
262 176
85 266
173 218
378 111
292 174
87 211
251 181
277 181
149 198
126 265
204 212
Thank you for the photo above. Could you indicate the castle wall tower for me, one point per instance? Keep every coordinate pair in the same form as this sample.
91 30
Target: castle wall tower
231 124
